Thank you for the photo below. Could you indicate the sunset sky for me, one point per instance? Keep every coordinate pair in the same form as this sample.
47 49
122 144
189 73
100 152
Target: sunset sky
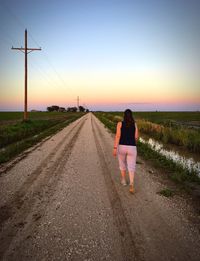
113 54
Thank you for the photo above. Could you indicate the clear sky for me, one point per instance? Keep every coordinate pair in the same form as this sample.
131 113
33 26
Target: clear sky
113 54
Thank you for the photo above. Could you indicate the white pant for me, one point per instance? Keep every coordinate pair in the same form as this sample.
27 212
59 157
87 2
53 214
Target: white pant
127 157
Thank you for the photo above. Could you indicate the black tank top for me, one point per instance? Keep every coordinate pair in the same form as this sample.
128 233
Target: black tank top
127 135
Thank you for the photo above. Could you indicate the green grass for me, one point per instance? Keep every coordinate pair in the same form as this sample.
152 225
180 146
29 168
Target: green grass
7 116
166 192
18 136
21 130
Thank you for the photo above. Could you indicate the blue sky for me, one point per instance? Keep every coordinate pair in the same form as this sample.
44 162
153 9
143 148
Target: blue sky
139 51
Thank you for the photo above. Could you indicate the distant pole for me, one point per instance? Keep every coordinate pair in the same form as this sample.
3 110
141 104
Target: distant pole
78 102
26 50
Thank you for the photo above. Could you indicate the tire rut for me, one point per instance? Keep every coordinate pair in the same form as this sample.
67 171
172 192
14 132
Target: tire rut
129 249
21 205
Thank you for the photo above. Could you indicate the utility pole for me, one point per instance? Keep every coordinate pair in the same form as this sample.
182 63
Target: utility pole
78 102
26 51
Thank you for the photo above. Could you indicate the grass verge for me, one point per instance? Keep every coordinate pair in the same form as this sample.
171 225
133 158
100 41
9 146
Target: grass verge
166 192
27 134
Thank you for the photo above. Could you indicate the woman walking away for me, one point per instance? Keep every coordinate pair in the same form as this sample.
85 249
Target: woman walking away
125 147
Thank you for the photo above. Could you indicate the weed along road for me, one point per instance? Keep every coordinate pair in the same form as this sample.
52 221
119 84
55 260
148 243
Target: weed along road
64 201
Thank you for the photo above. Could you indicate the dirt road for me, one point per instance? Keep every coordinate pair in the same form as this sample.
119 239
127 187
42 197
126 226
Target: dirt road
64 201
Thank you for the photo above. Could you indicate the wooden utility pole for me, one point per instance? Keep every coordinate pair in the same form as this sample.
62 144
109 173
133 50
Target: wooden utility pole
78 102
26 51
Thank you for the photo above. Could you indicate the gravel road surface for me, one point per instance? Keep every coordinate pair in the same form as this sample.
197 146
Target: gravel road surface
64 201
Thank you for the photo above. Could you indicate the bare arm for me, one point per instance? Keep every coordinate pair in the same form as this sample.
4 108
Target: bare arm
136 133
117 138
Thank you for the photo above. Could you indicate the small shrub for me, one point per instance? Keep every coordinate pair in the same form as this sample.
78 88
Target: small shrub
166 192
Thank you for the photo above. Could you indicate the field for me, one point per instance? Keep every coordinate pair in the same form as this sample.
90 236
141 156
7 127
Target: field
12 117
17 135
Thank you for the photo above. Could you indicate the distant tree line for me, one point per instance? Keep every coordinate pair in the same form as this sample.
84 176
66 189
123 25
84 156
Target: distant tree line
68 109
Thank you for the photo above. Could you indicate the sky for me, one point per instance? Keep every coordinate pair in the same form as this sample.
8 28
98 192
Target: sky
113 54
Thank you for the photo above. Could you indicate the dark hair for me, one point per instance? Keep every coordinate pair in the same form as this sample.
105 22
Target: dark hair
128 118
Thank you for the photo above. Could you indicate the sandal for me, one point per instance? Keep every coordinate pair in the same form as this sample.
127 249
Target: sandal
131 189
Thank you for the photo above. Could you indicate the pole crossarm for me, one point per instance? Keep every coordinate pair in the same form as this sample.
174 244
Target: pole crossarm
28 49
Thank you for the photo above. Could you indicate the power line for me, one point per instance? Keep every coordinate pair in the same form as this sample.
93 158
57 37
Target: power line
6 36
5 41
42 73
22 25
19 21
56 72
64 84
51 65
47 76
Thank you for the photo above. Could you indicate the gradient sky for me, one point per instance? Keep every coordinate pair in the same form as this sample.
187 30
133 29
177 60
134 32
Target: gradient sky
114 54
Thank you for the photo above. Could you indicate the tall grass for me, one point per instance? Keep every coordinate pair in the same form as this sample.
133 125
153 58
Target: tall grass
177 135
21 130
